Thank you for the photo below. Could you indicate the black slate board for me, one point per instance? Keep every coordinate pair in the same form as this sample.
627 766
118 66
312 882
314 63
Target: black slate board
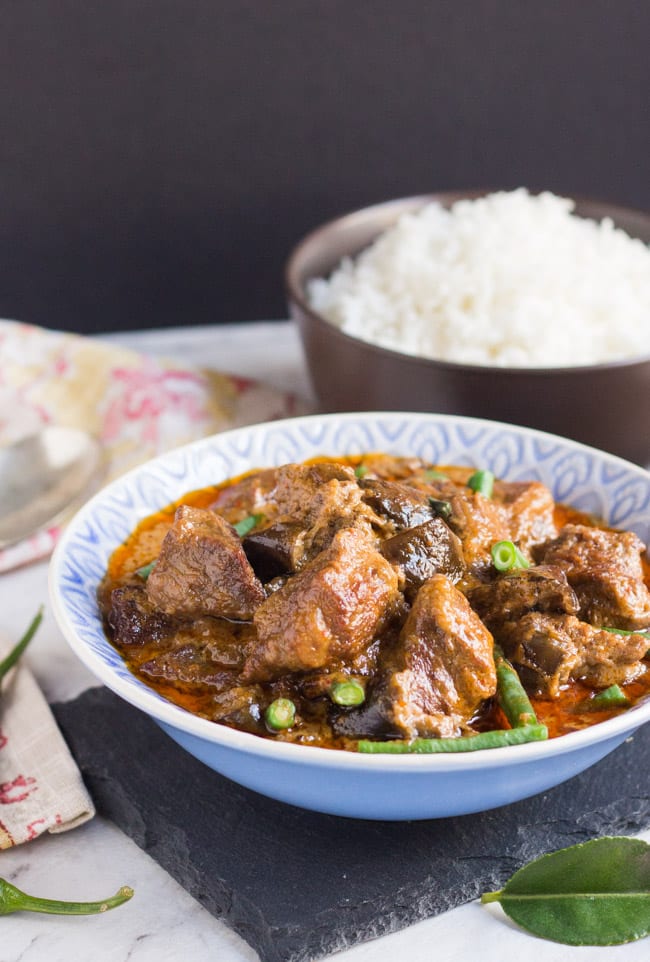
298 885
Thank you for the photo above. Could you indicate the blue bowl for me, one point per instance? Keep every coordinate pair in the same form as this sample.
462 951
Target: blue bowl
337 782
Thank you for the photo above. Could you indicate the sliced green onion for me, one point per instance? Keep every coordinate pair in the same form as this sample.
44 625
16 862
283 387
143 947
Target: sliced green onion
482 482
247 524
280 714
441 508
506 556
146 570
348 693
360 471
612 697
465 743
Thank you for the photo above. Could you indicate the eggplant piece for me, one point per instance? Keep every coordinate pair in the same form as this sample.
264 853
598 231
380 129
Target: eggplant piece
406 507
428 549
273 551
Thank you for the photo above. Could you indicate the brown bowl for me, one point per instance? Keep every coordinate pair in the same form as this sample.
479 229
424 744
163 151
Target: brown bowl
604 405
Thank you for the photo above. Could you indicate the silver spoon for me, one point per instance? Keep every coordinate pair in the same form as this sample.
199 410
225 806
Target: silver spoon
43 476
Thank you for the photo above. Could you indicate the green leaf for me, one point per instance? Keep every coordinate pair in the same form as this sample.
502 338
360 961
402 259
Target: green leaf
595 893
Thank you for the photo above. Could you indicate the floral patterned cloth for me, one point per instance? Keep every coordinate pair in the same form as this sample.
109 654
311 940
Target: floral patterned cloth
137 406
41 789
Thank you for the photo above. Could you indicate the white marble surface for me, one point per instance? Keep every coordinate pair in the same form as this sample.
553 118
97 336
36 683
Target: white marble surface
162 923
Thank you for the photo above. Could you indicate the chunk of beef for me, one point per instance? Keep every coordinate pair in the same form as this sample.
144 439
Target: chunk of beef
442 667
320 499
134 619
246 496
530 510
479 522
425 550
516 593
549 651
604 568
401 504
240 707
188 667
327 613
202 569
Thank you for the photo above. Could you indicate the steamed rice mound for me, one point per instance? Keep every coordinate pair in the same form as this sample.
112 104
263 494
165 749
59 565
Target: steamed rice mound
509 280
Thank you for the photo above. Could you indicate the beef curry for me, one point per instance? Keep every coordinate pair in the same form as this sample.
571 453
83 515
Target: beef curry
361 601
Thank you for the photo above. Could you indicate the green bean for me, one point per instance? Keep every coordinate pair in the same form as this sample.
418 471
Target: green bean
348 693
247 524
506 556
19 648
482 482
13 900
511 694
465 743
612 697
280 714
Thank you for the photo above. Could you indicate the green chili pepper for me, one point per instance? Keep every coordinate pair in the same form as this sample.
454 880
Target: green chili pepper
246 525
280 714
506 556
13 900
482 482
17 651
348 694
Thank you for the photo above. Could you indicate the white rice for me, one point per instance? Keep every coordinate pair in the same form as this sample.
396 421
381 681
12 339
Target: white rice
511 280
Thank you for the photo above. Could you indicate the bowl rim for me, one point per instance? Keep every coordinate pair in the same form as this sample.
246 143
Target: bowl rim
295 292
169 714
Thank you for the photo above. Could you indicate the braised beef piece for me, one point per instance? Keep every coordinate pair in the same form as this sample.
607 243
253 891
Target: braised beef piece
240 707
306 506
435 676
134 620
512 595
188 667
327 613
425 550
549 651
479 522
442 667
401 504
246 496
604 568
202 569
530 510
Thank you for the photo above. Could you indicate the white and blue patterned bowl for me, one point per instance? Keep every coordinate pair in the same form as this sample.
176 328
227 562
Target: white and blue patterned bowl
344 783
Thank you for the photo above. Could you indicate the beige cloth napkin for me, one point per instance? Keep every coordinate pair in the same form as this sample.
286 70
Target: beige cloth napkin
41 789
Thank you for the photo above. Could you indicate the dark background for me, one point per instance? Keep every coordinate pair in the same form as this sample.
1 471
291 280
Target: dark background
159 158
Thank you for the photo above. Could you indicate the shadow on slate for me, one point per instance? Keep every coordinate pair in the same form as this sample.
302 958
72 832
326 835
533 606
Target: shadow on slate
298 885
